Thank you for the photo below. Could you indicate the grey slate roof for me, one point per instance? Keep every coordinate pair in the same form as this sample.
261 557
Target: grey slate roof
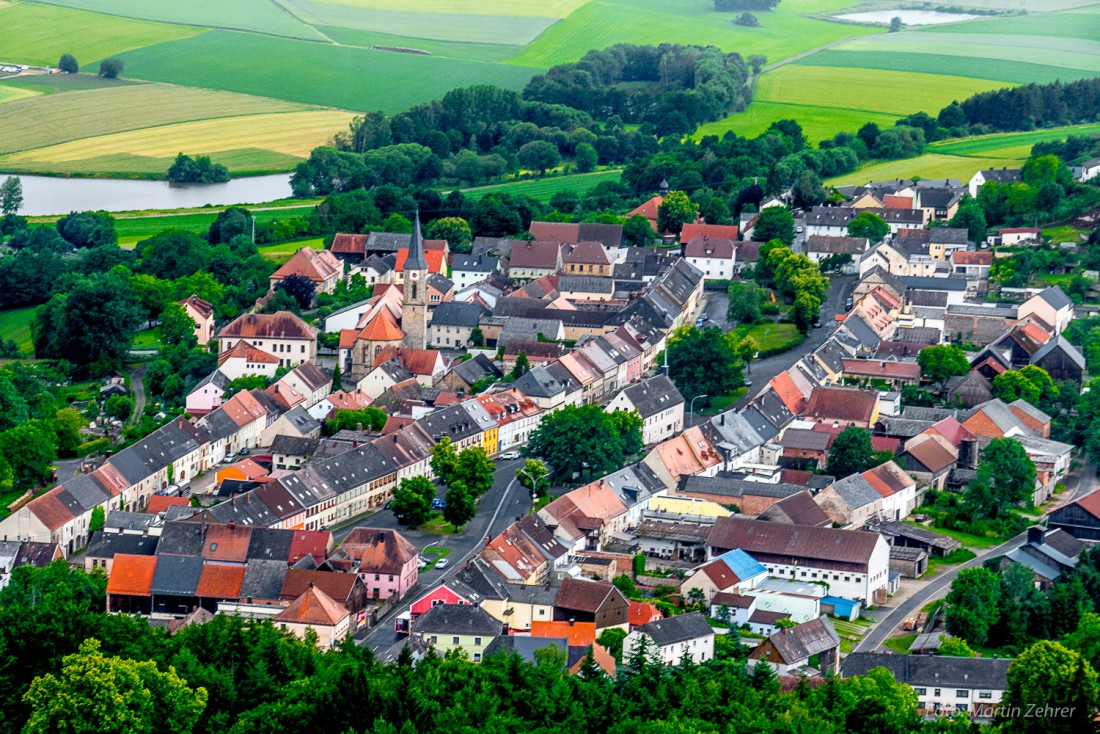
809 638
293 445
176 575
1058 343
924 671
654 395
477 368
474 263
119 520
181 538
107 545
856 491
737 434
263 579
724 484
585 284
915 283
681 628
457 619
540 382
453 313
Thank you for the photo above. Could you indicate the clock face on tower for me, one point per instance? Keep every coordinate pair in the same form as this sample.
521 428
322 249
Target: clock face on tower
415 275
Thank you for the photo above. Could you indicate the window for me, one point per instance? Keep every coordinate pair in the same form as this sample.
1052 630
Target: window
477 657
434 640
960 707
962 694
920 691
985 694
454 640
477 640
936 693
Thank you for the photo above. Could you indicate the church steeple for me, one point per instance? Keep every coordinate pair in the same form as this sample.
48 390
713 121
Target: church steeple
416 259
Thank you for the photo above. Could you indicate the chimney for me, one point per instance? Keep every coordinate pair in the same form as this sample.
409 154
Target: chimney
232 525
1036 535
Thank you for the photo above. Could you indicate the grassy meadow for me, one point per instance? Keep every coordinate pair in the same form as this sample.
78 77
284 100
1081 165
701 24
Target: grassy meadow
544 188
15 324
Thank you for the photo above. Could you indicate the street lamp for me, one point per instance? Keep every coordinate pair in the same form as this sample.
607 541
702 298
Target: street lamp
691 408
534 482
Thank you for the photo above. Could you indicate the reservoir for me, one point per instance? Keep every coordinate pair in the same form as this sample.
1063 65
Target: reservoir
44 195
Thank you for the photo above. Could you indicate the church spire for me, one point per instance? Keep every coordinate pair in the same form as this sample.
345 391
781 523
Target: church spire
416 259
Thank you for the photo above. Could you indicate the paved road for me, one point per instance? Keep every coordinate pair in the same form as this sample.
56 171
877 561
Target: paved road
137 385
496 510
761 371
938 587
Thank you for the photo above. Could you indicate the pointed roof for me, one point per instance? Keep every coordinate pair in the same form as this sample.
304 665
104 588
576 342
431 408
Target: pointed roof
416 260
313 607
382 328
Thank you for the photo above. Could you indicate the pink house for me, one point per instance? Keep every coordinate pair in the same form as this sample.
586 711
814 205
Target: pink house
387 562
207 396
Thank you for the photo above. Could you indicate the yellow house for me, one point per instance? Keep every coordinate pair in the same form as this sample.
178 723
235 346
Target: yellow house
463 627
490 440
522 606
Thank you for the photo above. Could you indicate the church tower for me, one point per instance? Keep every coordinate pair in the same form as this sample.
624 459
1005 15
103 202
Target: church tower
414 309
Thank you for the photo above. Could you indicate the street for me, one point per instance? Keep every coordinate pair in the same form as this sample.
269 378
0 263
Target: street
496 510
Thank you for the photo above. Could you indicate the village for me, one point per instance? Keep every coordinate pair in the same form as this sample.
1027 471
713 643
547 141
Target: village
731 526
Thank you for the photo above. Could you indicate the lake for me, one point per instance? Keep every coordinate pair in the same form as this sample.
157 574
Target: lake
908 17
44 195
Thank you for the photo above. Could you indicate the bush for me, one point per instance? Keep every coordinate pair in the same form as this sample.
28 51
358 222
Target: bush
93 447
747 20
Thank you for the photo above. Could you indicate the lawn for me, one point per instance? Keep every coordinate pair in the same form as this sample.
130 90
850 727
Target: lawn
447 49
58 118
1070 53
286 249
929 165
900 645
337 76
39 34
545 9
935 563
1007 145
544 188
847 630
261 16
1058 25
132 229
16 324
9 94
438 526
146 339
818 123
246 144
772 336
783 32
973 541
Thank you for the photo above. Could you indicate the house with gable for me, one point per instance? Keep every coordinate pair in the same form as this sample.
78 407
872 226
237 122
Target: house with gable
671 640
587 517
463 627
598 602
387 562
812 645
730 573
658 402
282 334
321 268
202 313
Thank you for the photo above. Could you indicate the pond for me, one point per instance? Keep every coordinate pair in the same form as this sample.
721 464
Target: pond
44 195
908 17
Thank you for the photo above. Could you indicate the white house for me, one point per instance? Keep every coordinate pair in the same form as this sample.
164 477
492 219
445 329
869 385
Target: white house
1020 235
1087 170
310 380
244 359
1000 175
673 639
658 402
715 256
944 686
282 334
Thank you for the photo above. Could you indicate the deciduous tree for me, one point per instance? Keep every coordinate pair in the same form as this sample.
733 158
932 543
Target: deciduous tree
675 211
461 507
745 300
774 223
702 362
972 604
455 230
941 362
67 63
412 501
1055 686
851 452
869 225
11 196
111 68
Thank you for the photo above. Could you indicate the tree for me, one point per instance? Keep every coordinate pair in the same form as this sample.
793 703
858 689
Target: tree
851 452
638 232
474 470
532 477
757 62
869 225
746 298
972 604
88 229
702 362
233 221
367 419
412 501
895 24
444 460
539 155
585 157
521 366
298 287
30 450
68 64
111 68
1011 473
971 216
611 639
675 211
460 508
774 223
578 438
11 196
1011 385
1048 677
337 379
176 327
628 424
98 519
746 19
806 311
954 647
941 362
119 407
92 324
111 694
455 230
477 337
200 169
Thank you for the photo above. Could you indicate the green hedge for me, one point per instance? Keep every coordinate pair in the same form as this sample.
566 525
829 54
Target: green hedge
91 447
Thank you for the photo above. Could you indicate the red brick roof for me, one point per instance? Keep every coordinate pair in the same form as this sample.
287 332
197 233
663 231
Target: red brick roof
578 633
544 255
131 575
972 258
220 581
698 229
382 328
201 307
317 266
834 403
350 244
226 543
158 503
587 252
310 543
434 259
313 606
882 368
49 509
897 202
788 392
385 551
1090 503
582 595
247 352
643 613
337 586
416 361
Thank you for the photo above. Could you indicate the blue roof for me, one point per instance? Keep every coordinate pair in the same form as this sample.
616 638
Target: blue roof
742 564
839 602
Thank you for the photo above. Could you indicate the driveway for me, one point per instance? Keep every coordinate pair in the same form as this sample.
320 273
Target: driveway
137 386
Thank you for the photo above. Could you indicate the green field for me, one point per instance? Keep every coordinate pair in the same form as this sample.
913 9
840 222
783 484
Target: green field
9 93
348 78
783 32
1008 145
39 34
1019 72
1072 24
545 9
133 229
16 324
54 83
260 16
1071 54
58 118
282 251
929 165
544 188
446 49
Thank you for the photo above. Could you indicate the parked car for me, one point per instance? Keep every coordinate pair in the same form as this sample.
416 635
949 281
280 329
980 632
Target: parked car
439 504
508 455
441 563
229 459
422 562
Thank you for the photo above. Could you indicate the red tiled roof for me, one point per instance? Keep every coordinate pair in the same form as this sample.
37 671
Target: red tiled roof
788 392
534 254
972 258
309 543
317 266
834 403
49 509
881 368
201 307
648 209
713 247
219 581
578 633
416 361
385 551
583 595
931 450
226 543
602 658
434 259
382 328
713 231
897 202
348 338
278 325
131 575
337 586
350 244
643 613
587 252
1090 503
313 607
158 503
953 431
247 352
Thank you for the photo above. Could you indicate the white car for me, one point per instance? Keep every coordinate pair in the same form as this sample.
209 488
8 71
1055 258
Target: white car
509 455
441 563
